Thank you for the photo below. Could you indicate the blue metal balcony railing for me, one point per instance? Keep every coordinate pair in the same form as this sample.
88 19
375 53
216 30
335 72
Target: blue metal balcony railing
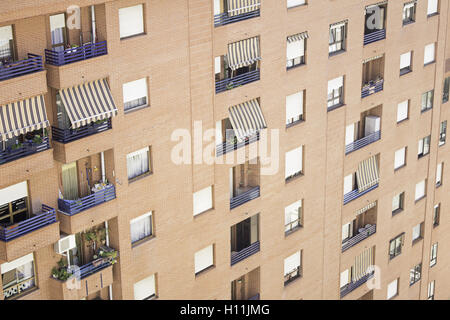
352 195
375 36
361 143
19 68
349 287
255 297
359 237
244 197
372 88
226 146
240 80
27 148
245 253
71 207
45 217
223 18
75 54
90 268
69 135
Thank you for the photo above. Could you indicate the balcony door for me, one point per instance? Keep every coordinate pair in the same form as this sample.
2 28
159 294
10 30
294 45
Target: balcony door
70 181
58 31
7 46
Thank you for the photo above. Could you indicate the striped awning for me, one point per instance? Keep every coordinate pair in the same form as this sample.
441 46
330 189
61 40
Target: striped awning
367 174
339 24
297 37
237 7
366 208
373 58
22 116
243 53
88 102
362 262
246 119
376 5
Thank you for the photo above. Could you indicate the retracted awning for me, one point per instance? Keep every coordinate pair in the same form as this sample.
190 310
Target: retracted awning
88 102
362 263
297 37
22 116
367 175
246 119
243 53
237 7
366 208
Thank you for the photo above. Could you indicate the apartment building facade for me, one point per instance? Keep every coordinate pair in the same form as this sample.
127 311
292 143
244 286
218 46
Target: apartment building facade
96 97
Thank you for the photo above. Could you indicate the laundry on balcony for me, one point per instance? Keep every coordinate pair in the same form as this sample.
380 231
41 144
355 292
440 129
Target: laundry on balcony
88 102
246 119
243 53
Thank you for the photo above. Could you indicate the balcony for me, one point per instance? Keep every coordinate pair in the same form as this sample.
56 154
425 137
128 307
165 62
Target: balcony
228 146
72 207
375 36
69 135
223 18
75 54
361 143
237 81
363 234
24 149
245 253
356 194
244 197
349 287
19 68
372 87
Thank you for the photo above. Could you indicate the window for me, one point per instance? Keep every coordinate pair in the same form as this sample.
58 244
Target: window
424 147
203 200
138 163
135 94
347 231
294 163
397 203
18 276
392 289
294 108
58 31
427 100
295 3
204 259
400 158
7 51
431 290
439 170
145 289
292 267
420 190
395 246
131 21
417 232
432 7
349 183
14 204
295 50
436 214
429 54
344 280
141 227
338 37
409 12
446 89
415 274
442 132
405 63
433 256
335 93
293 217
402 111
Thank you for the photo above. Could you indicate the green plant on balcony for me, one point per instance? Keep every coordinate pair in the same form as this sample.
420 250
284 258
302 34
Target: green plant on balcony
17 146
61 272
37 139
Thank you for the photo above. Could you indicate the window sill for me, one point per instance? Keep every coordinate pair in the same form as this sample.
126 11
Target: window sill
421 198
295 177
392 258
405 23
336 106
134 36
203 213
293 124
441 144
393 297
293 230
405 72
438 185
142 176
397 211
336 53
136 109
402 121
304 5
425 110
399 168
296 66
142 241
204 271
421 156
435 225
429 63
413 283
293 280
432 14
417 240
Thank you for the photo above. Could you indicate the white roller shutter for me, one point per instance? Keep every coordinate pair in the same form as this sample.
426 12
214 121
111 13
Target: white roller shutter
399 158
294 161
294 105
134 90
295 49
344 278
348 183
349 134
429 53
131 21
291 263
402 111
144 288
294 3
335 84
432 6
14 192
405 60
392 289
202 200
420 190
204 258
8 266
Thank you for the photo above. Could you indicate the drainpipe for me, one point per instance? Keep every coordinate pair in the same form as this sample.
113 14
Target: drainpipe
102 160
94 29
107 244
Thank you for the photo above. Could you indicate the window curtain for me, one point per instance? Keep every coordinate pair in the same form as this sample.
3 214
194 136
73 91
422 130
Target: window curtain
138 163
141 227
57 27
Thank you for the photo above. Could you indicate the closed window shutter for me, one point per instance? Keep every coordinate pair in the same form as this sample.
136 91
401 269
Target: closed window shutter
416 232
399 158
349 134
439 173
392 289
295 49
294 105
14 192
144 288
291 263
204 258
429 53
291 212
293 3
293 162
134 90
335 84
405 60
402 110
202 200
348 183
432 6
420 190
131 21
344 278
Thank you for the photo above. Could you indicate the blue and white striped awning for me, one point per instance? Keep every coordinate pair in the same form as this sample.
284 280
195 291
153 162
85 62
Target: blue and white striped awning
237 7
243 53
297 37
246 119
367 174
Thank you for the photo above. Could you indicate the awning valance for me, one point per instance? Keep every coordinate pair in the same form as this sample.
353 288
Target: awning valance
237 7
88 102
243 53
373 58
367 175
338 24
246 119
370 7
22 116
297 37
366 208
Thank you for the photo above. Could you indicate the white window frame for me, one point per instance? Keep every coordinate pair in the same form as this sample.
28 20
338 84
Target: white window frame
439 173
397 202
335 92
295 108
293 216
405 62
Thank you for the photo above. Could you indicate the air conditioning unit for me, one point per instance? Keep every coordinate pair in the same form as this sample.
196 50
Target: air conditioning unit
65 244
